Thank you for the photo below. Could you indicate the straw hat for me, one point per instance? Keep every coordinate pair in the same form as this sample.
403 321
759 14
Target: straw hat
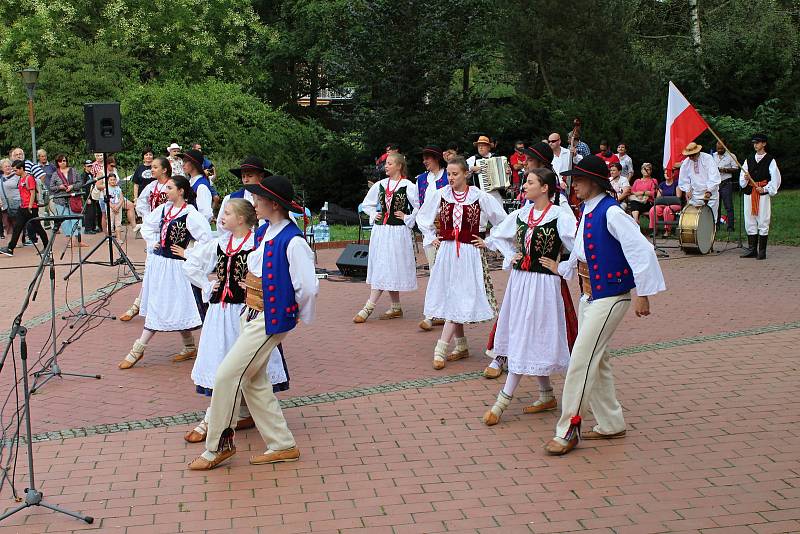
692 148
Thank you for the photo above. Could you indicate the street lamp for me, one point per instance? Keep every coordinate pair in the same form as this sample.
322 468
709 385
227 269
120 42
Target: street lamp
29 77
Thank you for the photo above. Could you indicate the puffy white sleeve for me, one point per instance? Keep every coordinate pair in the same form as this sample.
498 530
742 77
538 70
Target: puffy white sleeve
142 205
304 277
198 226
684 183
427 214
220 230
567 224
412 193
502 238
638 251
714 177
774 179
201 260
151 226
204 202
743 181
494 211
370 203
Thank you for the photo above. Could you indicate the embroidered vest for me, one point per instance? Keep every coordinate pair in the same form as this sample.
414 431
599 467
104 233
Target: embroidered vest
259 235
470 222
157 198
203 180
399 203
759 170
280 307
422 184
237 194
237 273
609 271
545 243
177 234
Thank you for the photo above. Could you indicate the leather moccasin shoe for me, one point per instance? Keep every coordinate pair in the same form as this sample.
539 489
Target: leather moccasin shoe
554 448
591 434
543 407
274 457
201 464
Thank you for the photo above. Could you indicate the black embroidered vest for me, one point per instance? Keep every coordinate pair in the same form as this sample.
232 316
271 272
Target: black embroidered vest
233 277
177 234
399 203
545 243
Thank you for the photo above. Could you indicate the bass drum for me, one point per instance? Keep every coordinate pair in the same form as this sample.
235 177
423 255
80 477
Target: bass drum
696 229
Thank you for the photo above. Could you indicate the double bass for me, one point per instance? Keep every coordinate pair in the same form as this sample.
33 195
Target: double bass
572 197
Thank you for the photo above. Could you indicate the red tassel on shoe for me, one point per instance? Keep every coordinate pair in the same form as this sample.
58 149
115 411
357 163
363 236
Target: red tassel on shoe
574 429
226 440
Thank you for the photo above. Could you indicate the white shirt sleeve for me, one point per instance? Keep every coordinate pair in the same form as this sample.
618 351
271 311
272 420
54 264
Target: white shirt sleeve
743 181
200 262
639 252
502 238
774 179
567 223
151 226
413 198
493 210
714 178
370 203
198 226
204 202
142 205
426 216
220 230
304 277
684 183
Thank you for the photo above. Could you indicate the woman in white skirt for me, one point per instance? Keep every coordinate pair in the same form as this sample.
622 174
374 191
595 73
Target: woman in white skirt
392 205
168 303
459 288
532 326
226 258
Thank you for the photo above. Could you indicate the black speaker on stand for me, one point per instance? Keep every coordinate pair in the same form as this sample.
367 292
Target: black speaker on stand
104 134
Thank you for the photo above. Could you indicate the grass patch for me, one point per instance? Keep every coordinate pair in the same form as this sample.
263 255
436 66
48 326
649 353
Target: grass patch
785 224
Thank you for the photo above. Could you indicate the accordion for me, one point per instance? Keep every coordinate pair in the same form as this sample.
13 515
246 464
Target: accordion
493 174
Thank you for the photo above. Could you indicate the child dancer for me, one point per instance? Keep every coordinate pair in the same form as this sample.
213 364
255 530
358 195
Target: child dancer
226 257
459 289
168 303
531 328
392 265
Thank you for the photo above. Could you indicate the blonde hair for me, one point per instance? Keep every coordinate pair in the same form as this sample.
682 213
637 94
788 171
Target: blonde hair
401 160
459 161
244 209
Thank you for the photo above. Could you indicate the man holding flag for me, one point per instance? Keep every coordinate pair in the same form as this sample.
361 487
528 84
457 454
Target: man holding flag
760 180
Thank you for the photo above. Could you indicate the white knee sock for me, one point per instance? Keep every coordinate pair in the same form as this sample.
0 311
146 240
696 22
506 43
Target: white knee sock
512 381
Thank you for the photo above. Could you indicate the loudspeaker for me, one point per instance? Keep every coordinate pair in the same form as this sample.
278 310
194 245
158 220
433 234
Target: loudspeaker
353 261
103 129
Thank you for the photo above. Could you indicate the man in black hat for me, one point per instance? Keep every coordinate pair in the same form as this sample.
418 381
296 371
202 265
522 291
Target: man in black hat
281 290
760 180
193 169
250 171
611 257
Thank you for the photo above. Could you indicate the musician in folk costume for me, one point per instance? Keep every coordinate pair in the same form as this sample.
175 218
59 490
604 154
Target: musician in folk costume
284 292
532 328
152 196
484 147
460 289
699 178
392 205
434 177
611 257
225 258
168 304
760 180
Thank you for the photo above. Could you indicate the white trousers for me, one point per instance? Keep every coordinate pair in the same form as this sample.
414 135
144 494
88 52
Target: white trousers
589 381
244 372
757 224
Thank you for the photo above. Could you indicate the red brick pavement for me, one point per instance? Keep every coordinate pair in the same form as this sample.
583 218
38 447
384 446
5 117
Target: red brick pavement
712 447
709 294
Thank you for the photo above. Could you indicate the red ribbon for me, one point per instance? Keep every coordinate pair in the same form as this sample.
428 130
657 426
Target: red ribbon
230 252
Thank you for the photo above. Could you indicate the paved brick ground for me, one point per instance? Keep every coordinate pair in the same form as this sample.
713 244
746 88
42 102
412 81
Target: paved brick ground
710 446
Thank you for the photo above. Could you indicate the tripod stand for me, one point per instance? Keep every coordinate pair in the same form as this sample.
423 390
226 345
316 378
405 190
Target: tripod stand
33 497
52 368
109 237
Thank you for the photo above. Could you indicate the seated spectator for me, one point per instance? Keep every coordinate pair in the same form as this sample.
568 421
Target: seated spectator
643 192
606 155
667 188
620 184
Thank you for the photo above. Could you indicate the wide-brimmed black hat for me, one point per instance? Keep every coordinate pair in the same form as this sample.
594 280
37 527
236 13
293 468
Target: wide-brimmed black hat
592 167
251 163
433 150
195 156
277 188
759 138
540 151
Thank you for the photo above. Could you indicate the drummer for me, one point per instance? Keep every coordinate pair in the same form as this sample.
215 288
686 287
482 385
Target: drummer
699 178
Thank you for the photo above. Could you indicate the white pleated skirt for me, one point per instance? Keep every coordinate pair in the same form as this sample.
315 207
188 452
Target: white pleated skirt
168 303
392 264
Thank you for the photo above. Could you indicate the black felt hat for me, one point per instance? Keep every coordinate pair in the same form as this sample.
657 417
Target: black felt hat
195 156
592 167
759 138
251 163
540 151
277 188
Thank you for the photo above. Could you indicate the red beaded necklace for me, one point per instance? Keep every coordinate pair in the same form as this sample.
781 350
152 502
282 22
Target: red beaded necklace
168 218
534 221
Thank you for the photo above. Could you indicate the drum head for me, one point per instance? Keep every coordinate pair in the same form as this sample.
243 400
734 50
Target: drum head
706 230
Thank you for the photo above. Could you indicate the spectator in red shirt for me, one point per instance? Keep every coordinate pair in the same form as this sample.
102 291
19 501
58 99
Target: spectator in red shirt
517 161
28 209
606 155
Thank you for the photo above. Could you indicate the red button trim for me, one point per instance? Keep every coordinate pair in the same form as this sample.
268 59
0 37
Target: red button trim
272 299
619 274
595 267
589 236
271 287
625 271
589 226
271 242
594 257
269 265
269 253
589 215
270 276
274 321
598 287
288 309
597 277
273 310
610 276
591 246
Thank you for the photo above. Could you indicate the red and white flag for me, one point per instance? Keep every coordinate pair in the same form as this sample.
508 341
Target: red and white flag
684 124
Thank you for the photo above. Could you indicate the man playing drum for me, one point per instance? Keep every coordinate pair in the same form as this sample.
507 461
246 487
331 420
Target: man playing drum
699 178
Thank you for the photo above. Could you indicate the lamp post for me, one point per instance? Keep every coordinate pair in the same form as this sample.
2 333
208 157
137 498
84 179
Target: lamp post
29 77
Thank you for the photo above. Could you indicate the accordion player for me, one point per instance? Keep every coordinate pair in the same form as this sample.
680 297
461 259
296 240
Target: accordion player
494 174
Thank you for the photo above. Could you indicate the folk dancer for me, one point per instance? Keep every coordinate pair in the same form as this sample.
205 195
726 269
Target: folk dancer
699 178
392 205
611 257
460 288
532 328
285 289
152 196
226 258
250 171
168 304
434 177
761 169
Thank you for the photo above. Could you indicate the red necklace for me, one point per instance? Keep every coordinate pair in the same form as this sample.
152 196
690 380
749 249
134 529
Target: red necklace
389 193
168 218
460 197
230 252
535 221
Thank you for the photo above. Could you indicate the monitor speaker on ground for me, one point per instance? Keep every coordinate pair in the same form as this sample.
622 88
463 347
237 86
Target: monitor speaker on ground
103 128
353 261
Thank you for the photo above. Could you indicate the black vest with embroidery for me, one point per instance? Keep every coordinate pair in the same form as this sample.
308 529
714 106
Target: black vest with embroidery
545 243
399 203
759 170
233 277
177 234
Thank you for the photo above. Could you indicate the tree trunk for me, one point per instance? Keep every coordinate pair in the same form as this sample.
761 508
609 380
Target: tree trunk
314 89
694 15
465 82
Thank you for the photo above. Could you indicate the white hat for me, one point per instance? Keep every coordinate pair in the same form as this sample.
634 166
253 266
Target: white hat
174 146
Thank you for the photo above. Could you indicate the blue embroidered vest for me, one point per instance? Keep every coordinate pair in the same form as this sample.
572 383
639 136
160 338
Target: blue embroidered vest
237 194
203 180
422 184
280 307
259 235
608 269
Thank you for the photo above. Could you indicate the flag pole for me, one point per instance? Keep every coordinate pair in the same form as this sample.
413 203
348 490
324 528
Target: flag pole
747 174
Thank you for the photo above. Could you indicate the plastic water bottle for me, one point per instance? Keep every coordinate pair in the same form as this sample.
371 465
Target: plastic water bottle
324 231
